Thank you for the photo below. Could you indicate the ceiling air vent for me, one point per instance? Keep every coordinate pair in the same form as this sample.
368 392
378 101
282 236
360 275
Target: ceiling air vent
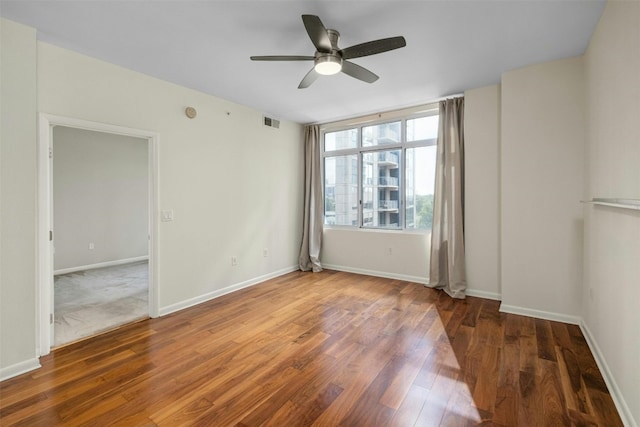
269 122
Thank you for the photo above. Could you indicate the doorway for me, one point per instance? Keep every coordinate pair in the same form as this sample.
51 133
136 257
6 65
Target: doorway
88 239
100 230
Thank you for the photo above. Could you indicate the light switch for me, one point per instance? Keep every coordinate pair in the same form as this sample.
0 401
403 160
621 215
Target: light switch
166 216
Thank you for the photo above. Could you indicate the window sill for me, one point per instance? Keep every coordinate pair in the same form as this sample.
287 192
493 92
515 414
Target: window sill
376 230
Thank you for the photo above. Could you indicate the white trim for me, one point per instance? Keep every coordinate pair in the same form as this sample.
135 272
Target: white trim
633 204
100 265
407 112
484 294
614 390
359 229
45 256
539 314
407 278
19 368
154 231
46 122
386 275
220 292
96 126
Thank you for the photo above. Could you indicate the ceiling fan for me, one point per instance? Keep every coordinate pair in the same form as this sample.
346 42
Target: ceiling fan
330 59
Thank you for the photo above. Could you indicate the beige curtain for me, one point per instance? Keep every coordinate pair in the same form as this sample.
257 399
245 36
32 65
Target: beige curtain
447 269
313 204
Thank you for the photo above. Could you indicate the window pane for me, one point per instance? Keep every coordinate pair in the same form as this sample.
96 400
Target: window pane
341 140
422 128
386 133
381 189
341 190
420 173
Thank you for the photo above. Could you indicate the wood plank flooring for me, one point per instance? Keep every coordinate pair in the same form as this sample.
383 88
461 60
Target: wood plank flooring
321 349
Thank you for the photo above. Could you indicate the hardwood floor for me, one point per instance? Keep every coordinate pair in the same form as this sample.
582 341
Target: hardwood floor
323 349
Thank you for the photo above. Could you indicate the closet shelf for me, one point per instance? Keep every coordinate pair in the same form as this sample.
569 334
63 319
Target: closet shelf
633 204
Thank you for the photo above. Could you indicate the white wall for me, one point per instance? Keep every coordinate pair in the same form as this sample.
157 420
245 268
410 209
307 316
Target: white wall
17 198
482 190
611 293
100 192
234 185
367 252
542 158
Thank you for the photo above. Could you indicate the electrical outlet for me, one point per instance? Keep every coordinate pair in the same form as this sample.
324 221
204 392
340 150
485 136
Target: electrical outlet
166 216
91 246
234 261
265 252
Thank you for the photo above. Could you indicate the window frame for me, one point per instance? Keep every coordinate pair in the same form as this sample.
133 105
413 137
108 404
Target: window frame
401 116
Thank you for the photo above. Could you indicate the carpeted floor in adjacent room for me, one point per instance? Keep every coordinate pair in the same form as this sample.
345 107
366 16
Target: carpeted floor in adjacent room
92 301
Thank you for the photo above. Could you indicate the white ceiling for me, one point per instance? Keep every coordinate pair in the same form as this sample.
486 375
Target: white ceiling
205 45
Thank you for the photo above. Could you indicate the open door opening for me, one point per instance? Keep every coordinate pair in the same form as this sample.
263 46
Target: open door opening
100 232
97 228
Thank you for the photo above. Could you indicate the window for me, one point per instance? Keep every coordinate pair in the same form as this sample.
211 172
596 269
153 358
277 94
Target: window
381 175
340 140
341 190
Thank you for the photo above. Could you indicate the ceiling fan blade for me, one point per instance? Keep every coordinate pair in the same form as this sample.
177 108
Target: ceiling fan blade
317 33
311 77
282 58
373 47
358 72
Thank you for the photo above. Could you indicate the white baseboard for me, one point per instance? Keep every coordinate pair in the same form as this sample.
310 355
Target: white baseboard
546 315
483 294
215 294
416 279
19 368
100 265
614 390
386 275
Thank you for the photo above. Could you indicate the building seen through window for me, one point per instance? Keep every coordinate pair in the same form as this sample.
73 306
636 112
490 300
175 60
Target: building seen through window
381 175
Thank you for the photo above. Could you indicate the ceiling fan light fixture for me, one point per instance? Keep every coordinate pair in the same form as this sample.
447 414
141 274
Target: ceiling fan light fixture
329 59
328 65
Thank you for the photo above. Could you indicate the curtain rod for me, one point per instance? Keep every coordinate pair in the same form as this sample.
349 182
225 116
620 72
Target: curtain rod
373 116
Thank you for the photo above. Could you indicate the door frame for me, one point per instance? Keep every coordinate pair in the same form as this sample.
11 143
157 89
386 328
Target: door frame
46 123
